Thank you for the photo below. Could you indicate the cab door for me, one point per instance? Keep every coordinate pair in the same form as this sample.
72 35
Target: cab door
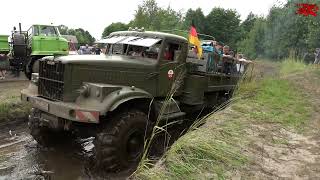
50 40
171 66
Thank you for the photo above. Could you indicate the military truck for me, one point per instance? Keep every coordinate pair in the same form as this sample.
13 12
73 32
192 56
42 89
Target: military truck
38 41
117 98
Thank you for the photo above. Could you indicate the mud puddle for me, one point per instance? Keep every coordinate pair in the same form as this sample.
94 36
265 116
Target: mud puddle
21 158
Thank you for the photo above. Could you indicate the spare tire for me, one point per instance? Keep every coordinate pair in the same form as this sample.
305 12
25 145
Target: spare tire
19 45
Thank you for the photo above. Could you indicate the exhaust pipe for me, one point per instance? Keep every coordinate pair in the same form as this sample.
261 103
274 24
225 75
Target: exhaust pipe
20 27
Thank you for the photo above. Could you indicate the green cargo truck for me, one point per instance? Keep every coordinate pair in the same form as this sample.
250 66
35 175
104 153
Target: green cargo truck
4 44
27 47
117 97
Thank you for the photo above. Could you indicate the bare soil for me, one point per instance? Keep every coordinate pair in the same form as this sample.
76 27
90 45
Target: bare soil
284 153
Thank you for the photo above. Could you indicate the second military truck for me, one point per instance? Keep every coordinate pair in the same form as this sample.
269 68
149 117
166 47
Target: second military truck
117 97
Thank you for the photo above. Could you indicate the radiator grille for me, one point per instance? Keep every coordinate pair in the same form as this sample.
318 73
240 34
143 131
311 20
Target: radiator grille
51 79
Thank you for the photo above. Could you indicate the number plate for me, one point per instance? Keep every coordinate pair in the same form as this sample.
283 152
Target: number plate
42 105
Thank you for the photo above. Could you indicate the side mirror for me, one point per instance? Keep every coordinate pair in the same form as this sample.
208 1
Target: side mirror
14 28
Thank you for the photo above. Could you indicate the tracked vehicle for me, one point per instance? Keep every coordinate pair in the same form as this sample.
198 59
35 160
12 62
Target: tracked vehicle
117 97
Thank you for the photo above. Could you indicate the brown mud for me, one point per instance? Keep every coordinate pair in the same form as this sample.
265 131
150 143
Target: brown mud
278 152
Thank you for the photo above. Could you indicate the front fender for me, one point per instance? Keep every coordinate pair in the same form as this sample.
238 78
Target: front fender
116 98
110 96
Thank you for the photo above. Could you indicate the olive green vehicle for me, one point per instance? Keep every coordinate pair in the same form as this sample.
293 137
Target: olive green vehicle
38 41
117 97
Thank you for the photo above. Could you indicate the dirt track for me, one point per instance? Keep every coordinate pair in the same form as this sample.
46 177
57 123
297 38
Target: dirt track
284 153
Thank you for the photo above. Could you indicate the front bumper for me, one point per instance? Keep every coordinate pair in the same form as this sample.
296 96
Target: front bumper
68 111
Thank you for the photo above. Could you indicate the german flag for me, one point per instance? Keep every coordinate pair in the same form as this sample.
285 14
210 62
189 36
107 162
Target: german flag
193 39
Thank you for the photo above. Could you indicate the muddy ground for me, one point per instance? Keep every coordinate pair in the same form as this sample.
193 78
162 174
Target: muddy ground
278 152
22 158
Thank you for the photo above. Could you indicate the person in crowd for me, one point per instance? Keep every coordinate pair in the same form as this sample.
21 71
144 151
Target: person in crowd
317 56
218 56
86 50
218 47
136 51
228 60
209 49
3 66
96 50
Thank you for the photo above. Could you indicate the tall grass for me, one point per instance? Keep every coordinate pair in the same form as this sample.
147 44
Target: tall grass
13 108
292 65
213 150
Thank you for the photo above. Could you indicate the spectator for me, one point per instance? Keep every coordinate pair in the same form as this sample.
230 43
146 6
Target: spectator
3 65
217 55
218 46
86 50
136 51
228 60
317 56
97 50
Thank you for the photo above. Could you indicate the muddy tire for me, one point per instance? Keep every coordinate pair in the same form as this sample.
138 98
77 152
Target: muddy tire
30 68
119 146
41 134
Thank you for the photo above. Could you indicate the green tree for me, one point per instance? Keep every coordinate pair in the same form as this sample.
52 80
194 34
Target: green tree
114 27
252 46
247 24
83 36
223 24
197 17
152 17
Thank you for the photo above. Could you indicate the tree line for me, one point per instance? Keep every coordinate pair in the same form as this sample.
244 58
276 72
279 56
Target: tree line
281 33
83 36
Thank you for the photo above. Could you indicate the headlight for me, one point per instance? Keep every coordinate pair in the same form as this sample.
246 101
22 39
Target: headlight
35 78
85 90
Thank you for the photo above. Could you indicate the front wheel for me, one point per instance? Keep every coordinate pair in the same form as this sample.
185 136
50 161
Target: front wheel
120 144
31 67
43 135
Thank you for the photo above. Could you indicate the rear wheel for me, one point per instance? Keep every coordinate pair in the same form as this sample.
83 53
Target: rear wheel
120 144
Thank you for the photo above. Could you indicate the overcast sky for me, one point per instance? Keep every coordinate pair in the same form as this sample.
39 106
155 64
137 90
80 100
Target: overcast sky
95 15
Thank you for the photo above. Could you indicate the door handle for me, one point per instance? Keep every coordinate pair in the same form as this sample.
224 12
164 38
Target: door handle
151 75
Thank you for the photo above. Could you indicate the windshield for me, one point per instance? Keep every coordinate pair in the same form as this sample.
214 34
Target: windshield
48 31
133 46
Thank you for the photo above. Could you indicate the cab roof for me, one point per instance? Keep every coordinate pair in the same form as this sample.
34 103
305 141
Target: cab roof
43 25
150 34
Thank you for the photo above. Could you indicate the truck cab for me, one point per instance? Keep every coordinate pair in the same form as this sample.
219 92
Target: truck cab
46 40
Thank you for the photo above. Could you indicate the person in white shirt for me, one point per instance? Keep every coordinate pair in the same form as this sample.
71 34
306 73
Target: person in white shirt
242 63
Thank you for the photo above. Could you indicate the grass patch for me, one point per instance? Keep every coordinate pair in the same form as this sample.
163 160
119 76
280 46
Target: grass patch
208 153
292 65
13 108
216 149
